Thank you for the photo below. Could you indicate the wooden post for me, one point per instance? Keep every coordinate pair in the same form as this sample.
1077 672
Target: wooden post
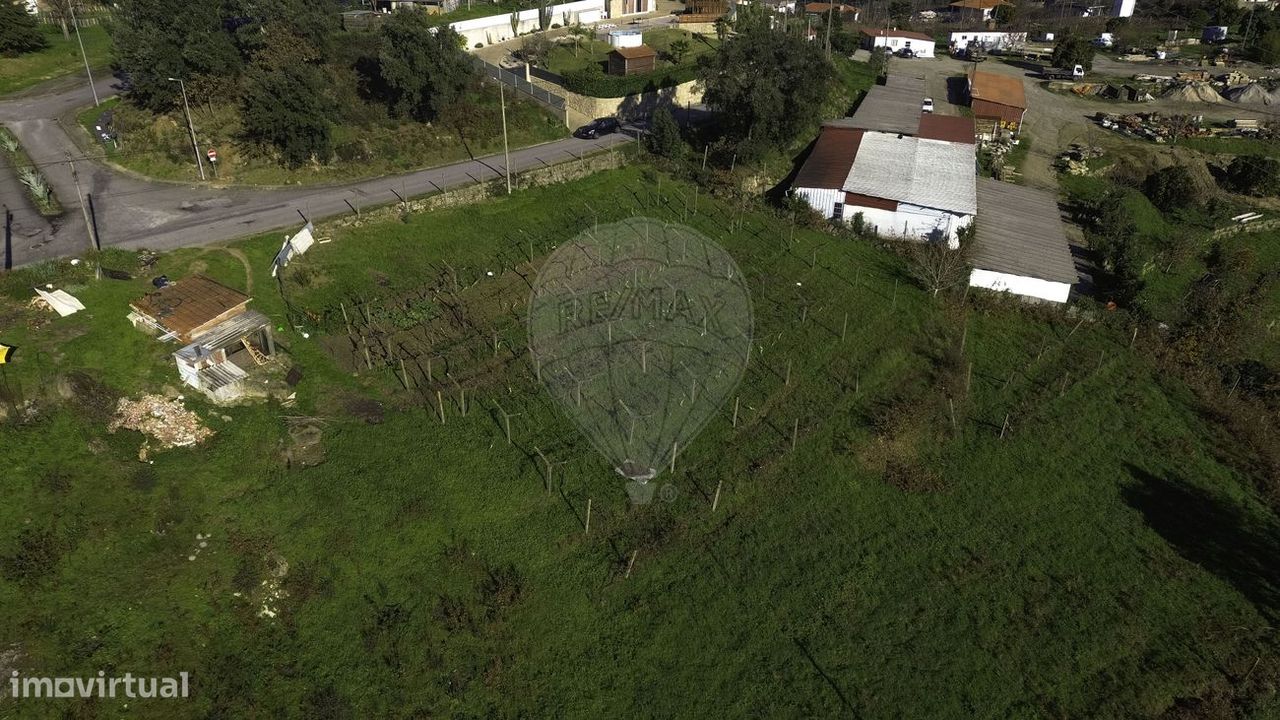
894 305
964 335
857 383
404 375
795 431
952 403
1133 339
674 446
430 375
462 393
1077 327
587 527
715 501
1005 426
440 403
845 327
1065 379
968 377
735 411
632 562
787 380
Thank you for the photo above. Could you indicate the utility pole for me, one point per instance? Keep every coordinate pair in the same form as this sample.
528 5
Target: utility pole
190 127
831 7
506 153
87 71
88 223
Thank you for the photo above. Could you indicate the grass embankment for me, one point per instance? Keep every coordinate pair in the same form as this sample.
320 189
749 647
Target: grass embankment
29 175
62 57
1092 558
583 66
159 146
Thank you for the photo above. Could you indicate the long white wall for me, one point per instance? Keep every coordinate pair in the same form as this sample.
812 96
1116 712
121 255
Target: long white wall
990 40
497 28
910 222
1020 285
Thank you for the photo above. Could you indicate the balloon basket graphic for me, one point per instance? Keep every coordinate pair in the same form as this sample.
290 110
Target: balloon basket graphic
640 331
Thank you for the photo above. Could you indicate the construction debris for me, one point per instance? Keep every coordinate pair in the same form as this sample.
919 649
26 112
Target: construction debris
1075 159
1154 126
171 424
60 301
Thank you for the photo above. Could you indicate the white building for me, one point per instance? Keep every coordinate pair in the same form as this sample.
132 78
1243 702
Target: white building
917 187
1123 8
497 28
1019 243
990 40
896 40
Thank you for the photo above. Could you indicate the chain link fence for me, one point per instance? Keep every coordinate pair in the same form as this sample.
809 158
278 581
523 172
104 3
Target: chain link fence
552 101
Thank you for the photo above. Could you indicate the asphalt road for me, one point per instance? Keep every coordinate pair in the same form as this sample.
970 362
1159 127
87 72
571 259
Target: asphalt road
132 212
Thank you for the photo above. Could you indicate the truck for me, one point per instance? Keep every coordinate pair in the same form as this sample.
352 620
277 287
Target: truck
1075 73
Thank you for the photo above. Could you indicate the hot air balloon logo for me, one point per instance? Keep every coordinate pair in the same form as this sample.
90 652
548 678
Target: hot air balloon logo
640 330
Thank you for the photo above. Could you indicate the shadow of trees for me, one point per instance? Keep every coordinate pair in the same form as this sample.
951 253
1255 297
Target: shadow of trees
1237 545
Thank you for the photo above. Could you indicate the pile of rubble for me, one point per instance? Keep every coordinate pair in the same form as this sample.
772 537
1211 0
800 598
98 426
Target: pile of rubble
171 424
1075 159
1154 126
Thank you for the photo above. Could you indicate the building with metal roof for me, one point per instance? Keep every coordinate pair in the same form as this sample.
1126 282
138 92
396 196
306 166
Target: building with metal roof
893 107
1020 243
895 40
998 101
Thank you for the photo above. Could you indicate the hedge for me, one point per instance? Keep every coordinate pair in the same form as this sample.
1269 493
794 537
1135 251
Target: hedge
594 83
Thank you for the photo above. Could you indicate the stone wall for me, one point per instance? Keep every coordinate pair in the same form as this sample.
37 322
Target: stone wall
480 192
582 109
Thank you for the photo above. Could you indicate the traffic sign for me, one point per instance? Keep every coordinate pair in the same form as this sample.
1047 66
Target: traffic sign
213 155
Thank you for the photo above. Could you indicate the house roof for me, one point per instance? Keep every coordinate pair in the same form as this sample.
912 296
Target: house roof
821 7
915 171
881 32
633 53
950 128
997 88
828 164
189 303
979 4
1019 231
893 107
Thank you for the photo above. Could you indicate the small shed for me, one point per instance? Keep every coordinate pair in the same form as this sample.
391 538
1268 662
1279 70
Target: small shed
216 328
632 60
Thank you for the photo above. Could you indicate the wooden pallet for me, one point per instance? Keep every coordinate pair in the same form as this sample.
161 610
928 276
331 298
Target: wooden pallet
254 353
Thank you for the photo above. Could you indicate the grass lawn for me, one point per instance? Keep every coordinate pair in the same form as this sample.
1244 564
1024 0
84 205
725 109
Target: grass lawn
160 147
62 57
566 58
1104 558
1233 146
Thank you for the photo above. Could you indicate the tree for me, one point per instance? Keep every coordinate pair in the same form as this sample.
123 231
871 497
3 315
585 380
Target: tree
1073 50
939 267
578 34
769 87
1173 188
61 11
678 50
1266 49
664 134
285 108
1254 175
879 62
900 10
423 68
155 40
534 49
18 31
722 29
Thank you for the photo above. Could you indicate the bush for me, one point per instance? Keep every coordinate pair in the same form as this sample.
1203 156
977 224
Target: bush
18 31
592 82
664 134
1173 188
1254 175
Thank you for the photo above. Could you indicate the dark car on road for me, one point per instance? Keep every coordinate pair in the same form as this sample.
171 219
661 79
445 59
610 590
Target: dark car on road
596 128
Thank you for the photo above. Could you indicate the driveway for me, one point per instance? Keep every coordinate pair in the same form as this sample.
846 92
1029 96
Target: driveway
131 212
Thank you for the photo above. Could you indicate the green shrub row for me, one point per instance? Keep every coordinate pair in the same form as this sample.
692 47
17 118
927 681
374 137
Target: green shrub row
594 83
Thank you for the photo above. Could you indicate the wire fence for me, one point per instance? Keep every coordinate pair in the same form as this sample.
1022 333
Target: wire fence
551 100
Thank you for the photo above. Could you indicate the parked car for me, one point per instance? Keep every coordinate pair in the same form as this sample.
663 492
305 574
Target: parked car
598 127
927 105
906 53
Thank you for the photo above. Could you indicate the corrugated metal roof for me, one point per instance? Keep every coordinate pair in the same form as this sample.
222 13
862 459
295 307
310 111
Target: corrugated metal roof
951 128
1019 231
829 162
893 107
928 173
189 303
997 88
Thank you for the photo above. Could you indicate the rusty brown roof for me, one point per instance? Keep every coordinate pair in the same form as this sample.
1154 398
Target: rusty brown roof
828 164
997 88
632 53
951 128
881 32
189 303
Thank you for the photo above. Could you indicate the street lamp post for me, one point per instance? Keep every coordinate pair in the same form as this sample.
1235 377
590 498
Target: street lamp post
192 128
87 71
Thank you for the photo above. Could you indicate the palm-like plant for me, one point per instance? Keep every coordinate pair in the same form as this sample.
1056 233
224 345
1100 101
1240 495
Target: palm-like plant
35 183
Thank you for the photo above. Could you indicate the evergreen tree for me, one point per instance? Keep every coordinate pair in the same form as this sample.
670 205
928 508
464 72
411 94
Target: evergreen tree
664 134
424 69
18 31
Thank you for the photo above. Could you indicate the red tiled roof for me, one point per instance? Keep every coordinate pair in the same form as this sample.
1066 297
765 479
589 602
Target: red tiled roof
828 164
946 127
881 32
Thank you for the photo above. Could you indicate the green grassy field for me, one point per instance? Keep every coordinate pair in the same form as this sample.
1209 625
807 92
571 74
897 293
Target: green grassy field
62 57
160 147
1067 536
565 58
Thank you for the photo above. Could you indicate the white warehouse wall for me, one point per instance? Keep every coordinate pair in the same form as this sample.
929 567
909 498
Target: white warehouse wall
497 28
1020 285
922 48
